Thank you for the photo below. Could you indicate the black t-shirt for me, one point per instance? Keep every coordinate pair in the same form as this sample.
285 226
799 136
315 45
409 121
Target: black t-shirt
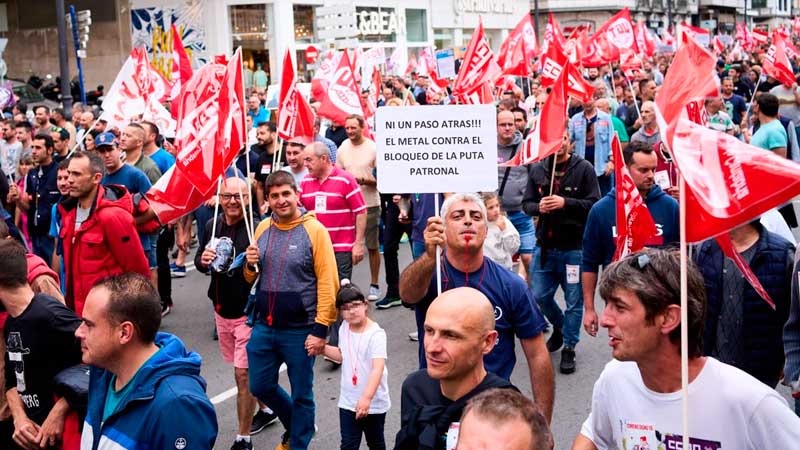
422 405
264 166
40 343
228 290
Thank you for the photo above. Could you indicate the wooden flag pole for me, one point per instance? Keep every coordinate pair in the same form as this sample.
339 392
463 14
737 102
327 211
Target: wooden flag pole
438 250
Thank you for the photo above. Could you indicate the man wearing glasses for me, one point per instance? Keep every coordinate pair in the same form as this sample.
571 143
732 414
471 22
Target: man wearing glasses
221 254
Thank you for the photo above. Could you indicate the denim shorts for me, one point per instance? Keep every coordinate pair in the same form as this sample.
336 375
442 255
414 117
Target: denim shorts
527 233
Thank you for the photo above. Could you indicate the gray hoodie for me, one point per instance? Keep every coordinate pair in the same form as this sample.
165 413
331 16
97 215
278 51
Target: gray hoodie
517 176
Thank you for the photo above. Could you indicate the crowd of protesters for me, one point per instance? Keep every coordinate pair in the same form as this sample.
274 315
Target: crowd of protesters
86 269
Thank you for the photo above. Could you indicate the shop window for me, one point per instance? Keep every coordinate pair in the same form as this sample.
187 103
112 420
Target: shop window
416 25
303 23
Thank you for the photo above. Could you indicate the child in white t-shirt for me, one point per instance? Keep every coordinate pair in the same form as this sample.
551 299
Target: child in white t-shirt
502 239
364 388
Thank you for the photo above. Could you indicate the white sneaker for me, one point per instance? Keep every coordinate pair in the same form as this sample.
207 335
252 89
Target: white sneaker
414 336
374 293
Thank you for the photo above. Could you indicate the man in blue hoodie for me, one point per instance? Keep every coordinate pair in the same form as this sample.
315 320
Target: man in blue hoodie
599 236
145 389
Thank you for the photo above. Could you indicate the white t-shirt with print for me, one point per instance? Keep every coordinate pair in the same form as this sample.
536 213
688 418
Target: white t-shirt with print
728 410
362 348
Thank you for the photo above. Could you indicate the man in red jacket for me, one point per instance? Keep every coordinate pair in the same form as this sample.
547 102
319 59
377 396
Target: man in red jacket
98 230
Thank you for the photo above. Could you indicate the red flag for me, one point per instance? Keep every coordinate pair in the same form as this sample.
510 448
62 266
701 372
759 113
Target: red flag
618 31
597 51
631 64
726 245
635 225
211 131
295 116
342 97
719 47
577 86
322 78
547 131
181 70
519 49
689 78
729 182
479 65
700 35
644 41
211 134
553 62
777 64
553 34
437 86
759 36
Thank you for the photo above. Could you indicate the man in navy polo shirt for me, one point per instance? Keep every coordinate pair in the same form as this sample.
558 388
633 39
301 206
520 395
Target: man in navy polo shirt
461 230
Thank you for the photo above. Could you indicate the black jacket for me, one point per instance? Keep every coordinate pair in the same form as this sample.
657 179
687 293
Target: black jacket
577 183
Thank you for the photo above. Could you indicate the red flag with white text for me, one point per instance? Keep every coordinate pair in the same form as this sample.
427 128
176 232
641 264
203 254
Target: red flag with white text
547 129
181 70
644 41
759 36
519 49
577 86
479 65
635 225
776 64
618 31
295 116
342 97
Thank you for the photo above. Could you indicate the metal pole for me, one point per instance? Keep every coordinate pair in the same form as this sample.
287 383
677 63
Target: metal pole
669 15
73 16
66 94
536 19
745 13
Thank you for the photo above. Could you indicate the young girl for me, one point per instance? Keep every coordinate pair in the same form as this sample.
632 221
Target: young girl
364 389
502 239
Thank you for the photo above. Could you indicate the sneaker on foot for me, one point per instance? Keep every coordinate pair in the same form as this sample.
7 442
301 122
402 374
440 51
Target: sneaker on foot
242 445
262 420
284 444
567 365
556 340
388 302
414 336
165 310
374 292
177 271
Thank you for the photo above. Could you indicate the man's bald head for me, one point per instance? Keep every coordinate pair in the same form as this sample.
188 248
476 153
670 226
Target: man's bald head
459 331
470 305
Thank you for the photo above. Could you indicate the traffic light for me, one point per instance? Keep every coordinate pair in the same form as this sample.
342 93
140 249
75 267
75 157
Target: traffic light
82 22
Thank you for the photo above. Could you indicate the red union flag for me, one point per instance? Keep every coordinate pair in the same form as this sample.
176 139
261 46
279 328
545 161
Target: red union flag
126 97
777 64
181 70
552 62
635 225
207 138
618 30
644 41
631 64
322 78
479 65
518 50
759 36
578 86
342 97
295 117
547 131
553 34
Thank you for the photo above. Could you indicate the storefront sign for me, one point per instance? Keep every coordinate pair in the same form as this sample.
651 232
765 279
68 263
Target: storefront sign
379 21
484 6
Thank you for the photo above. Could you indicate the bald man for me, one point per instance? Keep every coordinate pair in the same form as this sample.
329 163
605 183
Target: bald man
459 331
229 289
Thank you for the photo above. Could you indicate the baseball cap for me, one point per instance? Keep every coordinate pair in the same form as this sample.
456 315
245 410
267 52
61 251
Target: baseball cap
106 138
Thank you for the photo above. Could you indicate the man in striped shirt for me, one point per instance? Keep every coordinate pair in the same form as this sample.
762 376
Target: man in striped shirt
334 195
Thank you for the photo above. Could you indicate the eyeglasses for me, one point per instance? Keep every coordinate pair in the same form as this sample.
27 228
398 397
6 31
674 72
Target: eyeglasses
229 197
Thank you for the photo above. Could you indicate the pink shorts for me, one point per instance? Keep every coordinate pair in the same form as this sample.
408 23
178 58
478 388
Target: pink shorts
233 337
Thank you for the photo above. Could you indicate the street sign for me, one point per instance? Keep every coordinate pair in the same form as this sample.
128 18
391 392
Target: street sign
311 54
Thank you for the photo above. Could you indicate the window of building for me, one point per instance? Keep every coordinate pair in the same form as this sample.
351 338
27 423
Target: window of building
416 25
303 23
758 4
250 30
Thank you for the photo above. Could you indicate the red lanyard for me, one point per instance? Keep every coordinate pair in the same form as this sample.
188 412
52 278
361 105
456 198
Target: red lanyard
272 293
354 360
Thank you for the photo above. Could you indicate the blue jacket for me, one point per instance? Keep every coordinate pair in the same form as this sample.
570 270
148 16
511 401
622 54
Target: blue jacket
603 132
167 407
762 327
599 236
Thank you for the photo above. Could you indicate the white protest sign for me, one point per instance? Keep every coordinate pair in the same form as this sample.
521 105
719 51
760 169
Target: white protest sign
446 63
431 149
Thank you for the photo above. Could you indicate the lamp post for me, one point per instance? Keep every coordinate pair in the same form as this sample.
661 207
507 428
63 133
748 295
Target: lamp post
66 93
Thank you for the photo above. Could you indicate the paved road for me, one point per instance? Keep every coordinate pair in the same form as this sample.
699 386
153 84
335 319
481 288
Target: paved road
192 320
